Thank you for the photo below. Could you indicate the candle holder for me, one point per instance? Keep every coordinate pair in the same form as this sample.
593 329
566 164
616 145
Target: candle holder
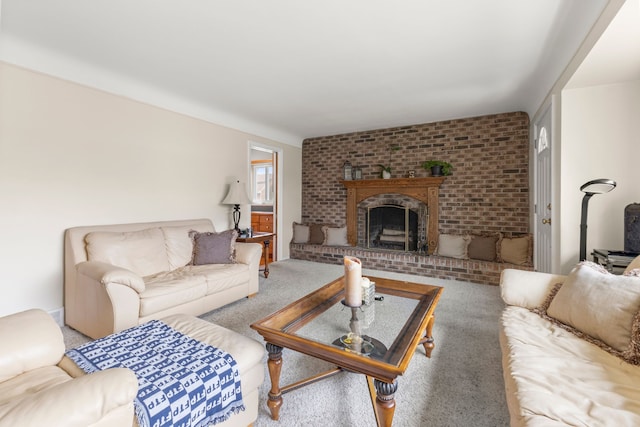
355 341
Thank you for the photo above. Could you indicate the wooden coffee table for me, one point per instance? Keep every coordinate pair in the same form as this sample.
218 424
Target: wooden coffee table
319 325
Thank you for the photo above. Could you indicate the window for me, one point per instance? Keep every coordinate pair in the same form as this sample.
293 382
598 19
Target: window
543 141
262 182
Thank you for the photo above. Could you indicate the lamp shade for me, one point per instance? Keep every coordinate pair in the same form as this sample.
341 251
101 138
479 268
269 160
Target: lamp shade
237 195
598 186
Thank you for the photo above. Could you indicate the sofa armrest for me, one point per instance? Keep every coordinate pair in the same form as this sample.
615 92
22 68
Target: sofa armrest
30 339
527 289
248 253
106 299
78 402
108 273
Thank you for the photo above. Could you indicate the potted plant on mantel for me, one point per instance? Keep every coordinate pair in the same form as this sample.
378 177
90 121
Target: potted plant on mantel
385 172
438 167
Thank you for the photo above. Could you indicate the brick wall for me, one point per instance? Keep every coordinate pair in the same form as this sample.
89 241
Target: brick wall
488 190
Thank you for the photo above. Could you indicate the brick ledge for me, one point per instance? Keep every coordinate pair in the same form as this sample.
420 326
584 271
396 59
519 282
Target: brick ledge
469 270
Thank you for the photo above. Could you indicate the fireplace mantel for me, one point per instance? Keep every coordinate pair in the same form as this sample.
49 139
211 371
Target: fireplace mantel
424 189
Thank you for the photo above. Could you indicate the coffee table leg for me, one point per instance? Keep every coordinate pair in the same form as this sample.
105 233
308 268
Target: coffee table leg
427 341
275 365
385 402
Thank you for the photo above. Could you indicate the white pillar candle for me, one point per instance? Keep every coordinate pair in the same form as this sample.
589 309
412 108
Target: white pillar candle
353 281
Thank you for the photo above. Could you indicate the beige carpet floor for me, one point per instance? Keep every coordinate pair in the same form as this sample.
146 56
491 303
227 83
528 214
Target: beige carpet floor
460 385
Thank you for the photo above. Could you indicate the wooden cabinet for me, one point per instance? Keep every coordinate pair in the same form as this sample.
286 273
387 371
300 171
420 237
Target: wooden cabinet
263 221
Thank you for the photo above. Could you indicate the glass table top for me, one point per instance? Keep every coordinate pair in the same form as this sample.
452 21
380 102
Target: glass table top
378 324
383 334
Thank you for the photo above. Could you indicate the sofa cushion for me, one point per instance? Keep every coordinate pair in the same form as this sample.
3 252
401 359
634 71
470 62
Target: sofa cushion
142 252
453 246
483 247
31 382
300 233
335 236
560 379
220 277
170 289
179 245
601 305
214 248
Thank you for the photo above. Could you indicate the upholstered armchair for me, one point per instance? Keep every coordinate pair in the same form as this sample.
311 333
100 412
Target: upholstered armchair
36 391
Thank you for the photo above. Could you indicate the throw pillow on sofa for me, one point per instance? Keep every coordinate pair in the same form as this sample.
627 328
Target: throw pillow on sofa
602 306
484 247
516 250
453 246
316 235
214 248
633 265
335 236
300 233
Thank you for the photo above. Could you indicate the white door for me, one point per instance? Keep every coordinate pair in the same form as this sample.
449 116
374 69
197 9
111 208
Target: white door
543 230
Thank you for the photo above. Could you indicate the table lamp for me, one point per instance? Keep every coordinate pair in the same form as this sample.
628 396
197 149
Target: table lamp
236 196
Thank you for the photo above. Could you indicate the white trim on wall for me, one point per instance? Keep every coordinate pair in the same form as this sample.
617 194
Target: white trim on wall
279 190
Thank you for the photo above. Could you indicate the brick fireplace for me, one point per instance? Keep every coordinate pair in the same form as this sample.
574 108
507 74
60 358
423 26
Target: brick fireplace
423 190
488 190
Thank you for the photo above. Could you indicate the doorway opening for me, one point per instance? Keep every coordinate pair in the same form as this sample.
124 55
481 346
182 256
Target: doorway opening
264 179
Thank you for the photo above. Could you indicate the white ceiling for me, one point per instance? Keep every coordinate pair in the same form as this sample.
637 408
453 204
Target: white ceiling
615 57
288 70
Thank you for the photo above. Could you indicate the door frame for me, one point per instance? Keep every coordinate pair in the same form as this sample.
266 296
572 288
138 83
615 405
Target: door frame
552 105
277 207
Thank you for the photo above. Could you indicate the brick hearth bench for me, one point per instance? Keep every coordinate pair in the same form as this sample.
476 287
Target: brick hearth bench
470 270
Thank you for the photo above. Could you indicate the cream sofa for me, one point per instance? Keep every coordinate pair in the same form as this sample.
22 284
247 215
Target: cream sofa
118 276
248 353
35 390
551 376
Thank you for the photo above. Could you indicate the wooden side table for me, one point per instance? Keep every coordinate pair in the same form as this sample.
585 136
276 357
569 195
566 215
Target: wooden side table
265 239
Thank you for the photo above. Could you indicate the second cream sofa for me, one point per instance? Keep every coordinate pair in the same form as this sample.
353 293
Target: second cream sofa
554 377
119 276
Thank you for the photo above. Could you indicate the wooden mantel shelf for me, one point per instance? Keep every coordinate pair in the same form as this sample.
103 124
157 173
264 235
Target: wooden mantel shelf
424 189
395 183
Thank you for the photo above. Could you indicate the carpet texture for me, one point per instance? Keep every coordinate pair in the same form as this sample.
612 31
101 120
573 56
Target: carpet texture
460 385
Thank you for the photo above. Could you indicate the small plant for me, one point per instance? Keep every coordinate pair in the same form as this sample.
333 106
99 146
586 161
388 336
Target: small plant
384 168
387 169
445 167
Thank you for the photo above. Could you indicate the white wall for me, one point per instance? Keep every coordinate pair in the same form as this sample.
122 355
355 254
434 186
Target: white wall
71 155
600 139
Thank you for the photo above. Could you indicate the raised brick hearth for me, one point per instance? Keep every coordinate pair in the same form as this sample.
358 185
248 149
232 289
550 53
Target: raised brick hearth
487 192
406 262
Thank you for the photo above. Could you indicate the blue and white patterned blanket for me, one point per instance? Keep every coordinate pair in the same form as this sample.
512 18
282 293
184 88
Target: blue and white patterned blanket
182 382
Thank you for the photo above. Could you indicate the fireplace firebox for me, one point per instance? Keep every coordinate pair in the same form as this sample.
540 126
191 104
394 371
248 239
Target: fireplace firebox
425 190
392 227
